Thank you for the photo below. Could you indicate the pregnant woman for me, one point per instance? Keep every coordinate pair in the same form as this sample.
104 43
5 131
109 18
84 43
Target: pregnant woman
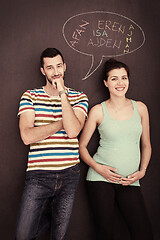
119 163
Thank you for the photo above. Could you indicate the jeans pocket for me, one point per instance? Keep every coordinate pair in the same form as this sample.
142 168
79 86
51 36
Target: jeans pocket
75 169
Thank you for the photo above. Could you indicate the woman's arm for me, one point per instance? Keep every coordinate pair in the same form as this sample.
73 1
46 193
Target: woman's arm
145 146
145 138
95 117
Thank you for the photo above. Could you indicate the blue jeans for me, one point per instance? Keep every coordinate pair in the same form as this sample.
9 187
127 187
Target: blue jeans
40 186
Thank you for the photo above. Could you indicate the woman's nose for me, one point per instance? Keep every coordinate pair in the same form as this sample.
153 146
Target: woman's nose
120 81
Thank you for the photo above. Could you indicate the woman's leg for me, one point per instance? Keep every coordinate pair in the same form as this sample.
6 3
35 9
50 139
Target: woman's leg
132 207
102 198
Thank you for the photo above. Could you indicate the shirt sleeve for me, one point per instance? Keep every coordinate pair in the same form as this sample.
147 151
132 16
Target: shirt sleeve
26 103
81 103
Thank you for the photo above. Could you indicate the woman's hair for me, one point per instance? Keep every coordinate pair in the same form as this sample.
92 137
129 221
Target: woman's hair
114 64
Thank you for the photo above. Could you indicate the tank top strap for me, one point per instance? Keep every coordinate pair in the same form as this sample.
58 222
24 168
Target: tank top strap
104 108
135 109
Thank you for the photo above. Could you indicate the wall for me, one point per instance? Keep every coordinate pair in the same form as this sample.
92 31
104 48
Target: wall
27 28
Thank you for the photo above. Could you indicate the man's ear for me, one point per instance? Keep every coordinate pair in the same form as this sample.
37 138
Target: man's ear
105 83
42 71
64 66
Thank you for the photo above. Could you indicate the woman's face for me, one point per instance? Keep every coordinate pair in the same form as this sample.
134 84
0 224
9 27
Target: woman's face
117 82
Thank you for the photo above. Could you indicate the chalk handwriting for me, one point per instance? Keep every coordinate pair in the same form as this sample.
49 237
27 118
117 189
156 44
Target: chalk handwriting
110 43
115 26
78 33
129 39
102 34
98 33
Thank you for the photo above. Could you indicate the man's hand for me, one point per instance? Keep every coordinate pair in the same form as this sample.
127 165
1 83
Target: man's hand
58 83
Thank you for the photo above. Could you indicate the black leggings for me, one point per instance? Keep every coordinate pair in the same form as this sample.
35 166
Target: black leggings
129 199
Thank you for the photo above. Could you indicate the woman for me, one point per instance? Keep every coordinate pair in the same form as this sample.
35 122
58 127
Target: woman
118 165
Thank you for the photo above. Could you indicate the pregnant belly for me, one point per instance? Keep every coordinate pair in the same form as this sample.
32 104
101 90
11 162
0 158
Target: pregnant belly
125 165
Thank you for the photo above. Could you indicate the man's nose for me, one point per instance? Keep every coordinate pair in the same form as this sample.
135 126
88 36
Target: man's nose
56 72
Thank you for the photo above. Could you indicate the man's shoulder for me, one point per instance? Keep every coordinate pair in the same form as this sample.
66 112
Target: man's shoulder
75 93
33 92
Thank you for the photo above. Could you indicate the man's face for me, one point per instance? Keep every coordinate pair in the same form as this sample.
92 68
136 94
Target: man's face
53 68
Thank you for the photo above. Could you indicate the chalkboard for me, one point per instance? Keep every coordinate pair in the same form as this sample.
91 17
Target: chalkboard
87 33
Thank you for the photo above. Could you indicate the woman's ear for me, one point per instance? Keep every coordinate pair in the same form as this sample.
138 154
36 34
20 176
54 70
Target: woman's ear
105 83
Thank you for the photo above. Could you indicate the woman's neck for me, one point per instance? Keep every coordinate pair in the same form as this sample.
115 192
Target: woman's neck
118 102
120 108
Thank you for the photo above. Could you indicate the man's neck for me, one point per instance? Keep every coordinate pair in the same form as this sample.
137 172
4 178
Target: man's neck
49 89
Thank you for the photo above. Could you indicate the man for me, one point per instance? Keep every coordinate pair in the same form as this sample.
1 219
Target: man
51 118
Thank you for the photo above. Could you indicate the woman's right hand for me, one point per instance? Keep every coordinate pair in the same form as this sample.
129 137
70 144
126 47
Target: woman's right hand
109 173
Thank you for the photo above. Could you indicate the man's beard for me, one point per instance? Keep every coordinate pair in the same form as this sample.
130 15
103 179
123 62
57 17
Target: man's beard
49 81
53 78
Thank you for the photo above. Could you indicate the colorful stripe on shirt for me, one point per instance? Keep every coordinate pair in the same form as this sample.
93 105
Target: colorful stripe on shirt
57 151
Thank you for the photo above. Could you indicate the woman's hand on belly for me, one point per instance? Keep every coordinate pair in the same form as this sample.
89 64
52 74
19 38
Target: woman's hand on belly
132 178
109 173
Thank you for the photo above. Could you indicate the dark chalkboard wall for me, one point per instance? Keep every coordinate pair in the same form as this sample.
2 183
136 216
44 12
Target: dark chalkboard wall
26 29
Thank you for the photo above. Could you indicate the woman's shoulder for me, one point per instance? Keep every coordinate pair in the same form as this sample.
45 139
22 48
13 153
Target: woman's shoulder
142 108
96 111
97 107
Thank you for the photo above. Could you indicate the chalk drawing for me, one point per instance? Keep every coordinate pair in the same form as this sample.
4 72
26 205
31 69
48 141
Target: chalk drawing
102 34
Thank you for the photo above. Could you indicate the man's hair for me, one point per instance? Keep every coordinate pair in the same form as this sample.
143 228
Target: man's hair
114 64
50 53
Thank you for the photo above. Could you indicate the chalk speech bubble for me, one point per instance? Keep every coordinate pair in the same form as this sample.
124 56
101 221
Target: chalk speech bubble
102 34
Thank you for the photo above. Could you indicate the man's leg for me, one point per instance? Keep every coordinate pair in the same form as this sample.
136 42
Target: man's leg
32 204
62 204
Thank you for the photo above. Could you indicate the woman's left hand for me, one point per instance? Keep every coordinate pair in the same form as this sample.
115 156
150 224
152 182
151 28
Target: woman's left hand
132 178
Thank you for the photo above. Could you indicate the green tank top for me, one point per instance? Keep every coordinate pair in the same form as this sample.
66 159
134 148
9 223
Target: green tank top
119 145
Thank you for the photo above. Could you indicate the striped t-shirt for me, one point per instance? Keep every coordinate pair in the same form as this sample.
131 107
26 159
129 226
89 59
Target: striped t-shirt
58 151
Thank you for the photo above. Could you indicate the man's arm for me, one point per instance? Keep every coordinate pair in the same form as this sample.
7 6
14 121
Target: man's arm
73 120
31 134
